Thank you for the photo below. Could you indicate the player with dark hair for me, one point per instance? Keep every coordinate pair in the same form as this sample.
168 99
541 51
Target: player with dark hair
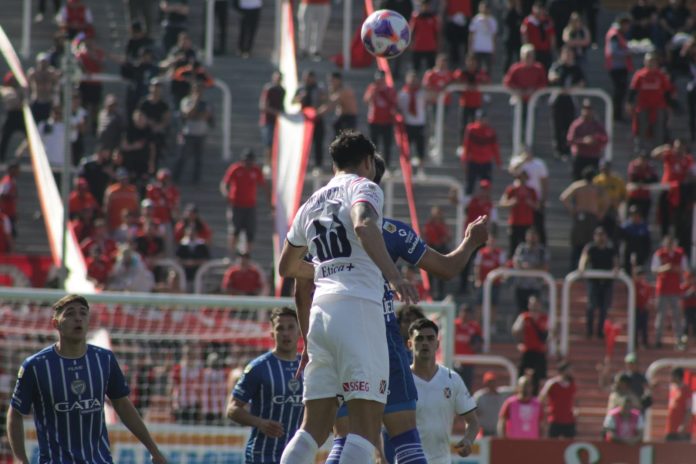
274 395
399 414
436 411
65 385
340 225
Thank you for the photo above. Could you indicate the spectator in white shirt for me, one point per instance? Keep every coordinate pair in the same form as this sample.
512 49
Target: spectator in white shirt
442 395
538 180
411 105
482 33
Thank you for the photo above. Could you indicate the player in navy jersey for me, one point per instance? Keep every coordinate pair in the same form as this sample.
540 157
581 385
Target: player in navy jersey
400 411
65 384
273 393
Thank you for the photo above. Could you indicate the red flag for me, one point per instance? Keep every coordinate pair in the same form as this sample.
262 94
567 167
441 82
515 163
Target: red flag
611 331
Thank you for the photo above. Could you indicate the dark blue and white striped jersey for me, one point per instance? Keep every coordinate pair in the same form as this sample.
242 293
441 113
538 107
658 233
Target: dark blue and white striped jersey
67 398
270 386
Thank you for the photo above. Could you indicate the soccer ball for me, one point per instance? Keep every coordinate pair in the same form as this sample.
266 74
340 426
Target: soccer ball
385 34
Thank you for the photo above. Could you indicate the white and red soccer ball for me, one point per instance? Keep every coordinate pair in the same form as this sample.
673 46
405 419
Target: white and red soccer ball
385 34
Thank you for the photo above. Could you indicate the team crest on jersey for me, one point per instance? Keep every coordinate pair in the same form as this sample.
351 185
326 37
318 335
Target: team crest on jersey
448 392
20 373
389 227
383 387
78 386
294 385
247 368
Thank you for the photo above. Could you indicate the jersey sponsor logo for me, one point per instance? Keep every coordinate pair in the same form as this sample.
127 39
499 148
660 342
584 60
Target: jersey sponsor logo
294 385
447 392
83 406
413 247
289 399
383 386
332 269
78 386
389 227
356 385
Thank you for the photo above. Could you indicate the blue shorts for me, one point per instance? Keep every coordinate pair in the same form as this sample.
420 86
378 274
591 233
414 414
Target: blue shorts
402 394
267 134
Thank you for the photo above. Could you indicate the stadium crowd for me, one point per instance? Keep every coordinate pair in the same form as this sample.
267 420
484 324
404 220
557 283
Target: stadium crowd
128 215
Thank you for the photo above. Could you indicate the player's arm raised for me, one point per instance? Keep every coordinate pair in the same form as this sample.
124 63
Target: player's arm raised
133 422
368 228
15 435
449 265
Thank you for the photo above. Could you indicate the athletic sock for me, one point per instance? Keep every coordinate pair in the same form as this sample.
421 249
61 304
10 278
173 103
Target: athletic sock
336 450
408 448
357 450
302 449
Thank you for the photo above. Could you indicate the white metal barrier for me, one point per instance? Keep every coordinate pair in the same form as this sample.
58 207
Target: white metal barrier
531 273
319 179
489 360
650 374
597 274
581 92
198 284
226 125
26 29
209 30
439 134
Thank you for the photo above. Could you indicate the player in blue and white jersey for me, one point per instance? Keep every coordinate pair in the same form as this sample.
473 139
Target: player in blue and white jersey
268 397
65 385
400 411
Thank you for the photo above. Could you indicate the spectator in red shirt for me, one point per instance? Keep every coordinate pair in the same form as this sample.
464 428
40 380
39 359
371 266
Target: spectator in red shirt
651 92
239 186
165 197
381 108
668 264
522 201
119 196
538 30
644 297
479 151
457 15
677 167
678 427
435 81
199 230
91 58
81 198
688 290
438 236
8 194
526 77
101 241
641 173
559 394
488 258
470 100
531 331
149 243
243 278
468 340
425 30
75 17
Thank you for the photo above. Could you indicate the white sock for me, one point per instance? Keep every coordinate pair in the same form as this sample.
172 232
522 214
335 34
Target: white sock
302 449
357 450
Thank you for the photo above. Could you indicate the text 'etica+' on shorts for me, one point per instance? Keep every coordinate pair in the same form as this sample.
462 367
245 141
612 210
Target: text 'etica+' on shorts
347 347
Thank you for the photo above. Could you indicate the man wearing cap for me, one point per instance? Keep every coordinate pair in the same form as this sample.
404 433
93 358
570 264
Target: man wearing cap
489 400
479 151
239 186
118 197
381 108
637 382
587 139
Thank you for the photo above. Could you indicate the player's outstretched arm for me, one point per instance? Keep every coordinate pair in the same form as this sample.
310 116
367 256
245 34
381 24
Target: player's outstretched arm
292 263
15 434
368 228
452 264
133 422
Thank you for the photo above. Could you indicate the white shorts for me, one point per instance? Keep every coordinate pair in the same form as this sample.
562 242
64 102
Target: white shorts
347 347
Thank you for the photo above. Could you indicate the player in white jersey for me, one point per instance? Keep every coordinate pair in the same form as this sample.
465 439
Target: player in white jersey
341 227
441 396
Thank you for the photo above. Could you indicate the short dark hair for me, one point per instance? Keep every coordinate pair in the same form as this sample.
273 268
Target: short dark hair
588 173
421 324
563 366
380 168
350 149
66 301
276 313
678 372
337 75
409 311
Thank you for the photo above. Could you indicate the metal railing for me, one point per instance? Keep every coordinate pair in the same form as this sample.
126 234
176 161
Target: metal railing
209 31
319 179
597 274
530 273
489 360
579 91
439 132
650 374
173 264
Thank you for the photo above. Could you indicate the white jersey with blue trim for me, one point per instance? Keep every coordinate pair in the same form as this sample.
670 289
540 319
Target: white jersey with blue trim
323 224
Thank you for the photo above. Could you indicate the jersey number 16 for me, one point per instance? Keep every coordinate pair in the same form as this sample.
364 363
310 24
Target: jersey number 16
331 242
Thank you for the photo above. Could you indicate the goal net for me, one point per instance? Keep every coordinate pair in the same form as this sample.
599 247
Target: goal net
181 355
